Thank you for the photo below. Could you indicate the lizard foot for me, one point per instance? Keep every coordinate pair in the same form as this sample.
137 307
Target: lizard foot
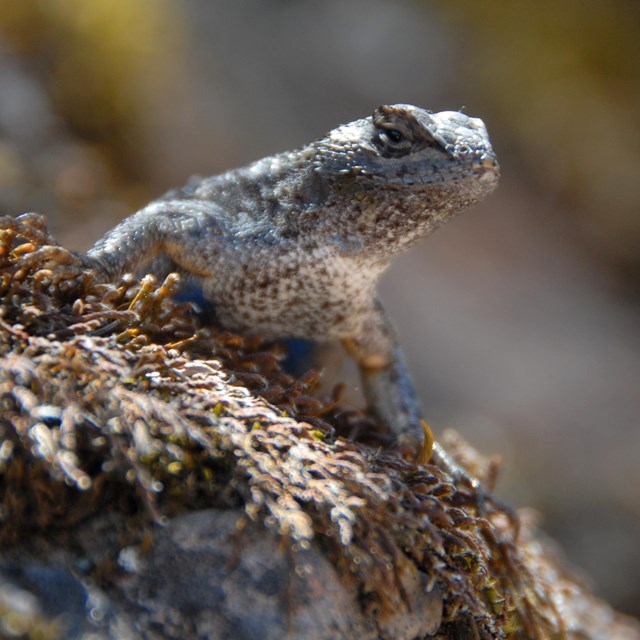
473 492
476 495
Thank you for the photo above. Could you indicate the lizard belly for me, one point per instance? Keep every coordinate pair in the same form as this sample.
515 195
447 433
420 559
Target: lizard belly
312 295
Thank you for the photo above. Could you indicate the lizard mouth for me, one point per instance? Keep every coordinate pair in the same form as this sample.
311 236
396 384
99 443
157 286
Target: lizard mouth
474 167
485 171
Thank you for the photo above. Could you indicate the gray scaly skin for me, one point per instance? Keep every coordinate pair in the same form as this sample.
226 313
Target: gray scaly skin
293 245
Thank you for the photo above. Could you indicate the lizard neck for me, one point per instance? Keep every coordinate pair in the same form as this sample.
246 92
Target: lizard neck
375 219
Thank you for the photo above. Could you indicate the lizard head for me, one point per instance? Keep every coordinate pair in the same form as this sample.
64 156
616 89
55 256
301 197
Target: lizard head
438 163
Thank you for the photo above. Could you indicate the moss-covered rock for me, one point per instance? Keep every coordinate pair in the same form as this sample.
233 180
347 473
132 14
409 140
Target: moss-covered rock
163 465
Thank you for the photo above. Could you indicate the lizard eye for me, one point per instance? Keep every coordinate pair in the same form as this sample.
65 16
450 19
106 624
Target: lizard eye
393 141
392 136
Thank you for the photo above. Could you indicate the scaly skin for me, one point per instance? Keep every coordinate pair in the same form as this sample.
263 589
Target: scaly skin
293 245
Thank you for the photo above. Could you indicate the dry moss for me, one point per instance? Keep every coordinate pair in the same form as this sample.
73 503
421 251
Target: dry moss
114 398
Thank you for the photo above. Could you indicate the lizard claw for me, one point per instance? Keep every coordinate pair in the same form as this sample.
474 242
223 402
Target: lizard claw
414 448
426 448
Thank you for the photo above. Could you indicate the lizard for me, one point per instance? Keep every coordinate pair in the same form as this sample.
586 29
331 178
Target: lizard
293 245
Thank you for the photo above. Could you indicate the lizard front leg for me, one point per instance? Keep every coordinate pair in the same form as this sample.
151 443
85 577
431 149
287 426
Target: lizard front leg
390 393
387 385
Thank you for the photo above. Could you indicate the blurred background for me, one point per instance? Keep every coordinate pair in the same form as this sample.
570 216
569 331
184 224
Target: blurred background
520 319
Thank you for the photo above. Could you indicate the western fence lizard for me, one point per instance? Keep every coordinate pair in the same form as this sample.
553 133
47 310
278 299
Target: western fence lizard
293 245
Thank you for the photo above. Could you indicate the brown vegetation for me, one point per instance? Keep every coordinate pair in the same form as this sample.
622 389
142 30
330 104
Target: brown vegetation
115 399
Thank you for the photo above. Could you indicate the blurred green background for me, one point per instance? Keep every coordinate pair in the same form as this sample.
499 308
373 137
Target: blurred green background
521 319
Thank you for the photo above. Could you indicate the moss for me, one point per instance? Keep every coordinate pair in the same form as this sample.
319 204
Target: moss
115 398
